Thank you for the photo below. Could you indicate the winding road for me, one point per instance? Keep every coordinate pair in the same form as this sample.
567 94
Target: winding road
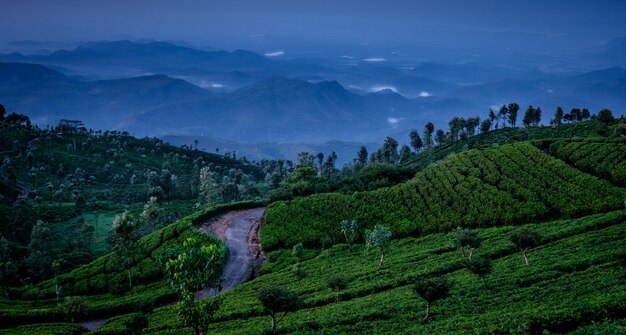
239 231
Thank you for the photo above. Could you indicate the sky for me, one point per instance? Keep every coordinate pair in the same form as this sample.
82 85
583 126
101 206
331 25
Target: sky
284 23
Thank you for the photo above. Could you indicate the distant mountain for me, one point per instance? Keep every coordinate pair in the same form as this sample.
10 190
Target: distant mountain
149 55
280 109
274 110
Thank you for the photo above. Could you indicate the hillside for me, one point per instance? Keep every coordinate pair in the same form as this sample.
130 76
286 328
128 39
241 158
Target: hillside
478 188
76 181
563 183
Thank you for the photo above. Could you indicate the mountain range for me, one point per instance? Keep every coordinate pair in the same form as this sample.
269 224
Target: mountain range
159 89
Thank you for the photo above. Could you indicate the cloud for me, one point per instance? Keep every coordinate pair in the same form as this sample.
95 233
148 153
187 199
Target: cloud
348 57
208 84
274 53
378 88
424 94
393 120
375 59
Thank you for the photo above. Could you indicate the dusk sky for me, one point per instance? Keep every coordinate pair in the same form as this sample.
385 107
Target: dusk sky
242 24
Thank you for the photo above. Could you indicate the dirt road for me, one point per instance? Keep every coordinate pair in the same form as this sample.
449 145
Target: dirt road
239 231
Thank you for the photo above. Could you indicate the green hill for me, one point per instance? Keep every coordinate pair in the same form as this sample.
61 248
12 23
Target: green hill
565 184
478 188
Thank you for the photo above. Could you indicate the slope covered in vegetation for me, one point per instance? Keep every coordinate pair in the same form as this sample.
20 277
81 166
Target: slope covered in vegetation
559 292
507 185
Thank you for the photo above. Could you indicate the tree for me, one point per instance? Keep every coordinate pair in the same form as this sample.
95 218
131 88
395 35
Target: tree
125 244
558 116
197 267
467 240
151 217
485 126
8 267
209 190
276 300
585 114
379 238
513 109
576 114
72 307
416 140
471 123
524 240
431 290
429 128
362 156
57 269
350 230
3 112
43 250
405 153
492 117
336 284
390 150
480 266
440 137
605 116
528 116
320 161
298 252
502 115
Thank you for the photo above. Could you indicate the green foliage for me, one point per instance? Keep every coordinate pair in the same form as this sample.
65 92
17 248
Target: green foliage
524 240
350 231
605 158
573 255
197 267
337 283
94 281
480 266
72 307
379 238
506 185
431 290
277 300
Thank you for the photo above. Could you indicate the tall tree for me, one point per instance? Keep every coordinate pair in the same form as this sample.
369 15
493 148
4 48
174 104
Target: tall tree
485 126
390 151
416 140
502 114
350 230
493 117
405 153
558 116
429 128
379 238
197 267
209 189
362 156
470 124
431 290
576 114
8 266
440 137
125 243
585 114
320 161
43 250
276 300
605 116
524 240
513 109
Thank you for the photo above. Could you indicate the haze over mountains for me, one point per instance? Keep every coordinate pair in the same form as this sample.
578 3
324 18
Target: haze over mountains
159 89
